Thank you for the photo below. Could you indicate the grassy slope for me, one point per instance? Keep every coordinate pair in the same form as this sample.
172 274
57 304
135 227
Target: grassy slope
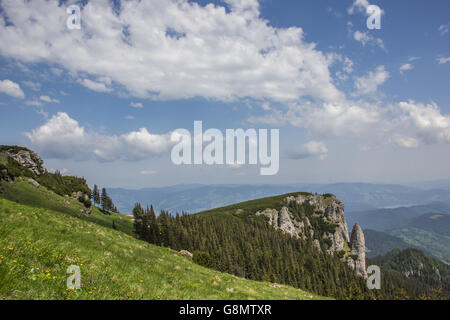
246 208
23 192
113 265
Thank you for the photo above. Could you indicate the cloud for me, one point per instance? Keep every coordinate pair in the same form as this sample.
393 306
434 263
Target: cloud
360 6
406 67
423 122
443 29
59 137
346 64
136 105
34 103
11 88
310 149
48 99
405 142
338 119
443 60
35 86
62 137
94 85
368 85
366 38
252 60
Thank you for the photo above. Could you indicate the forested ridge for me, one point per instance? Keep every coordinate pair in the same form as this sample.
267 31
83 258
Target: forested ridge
243 244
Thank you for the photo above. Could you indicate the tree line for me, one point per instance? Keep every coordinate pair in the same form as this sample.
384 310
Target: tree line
253 249
103 200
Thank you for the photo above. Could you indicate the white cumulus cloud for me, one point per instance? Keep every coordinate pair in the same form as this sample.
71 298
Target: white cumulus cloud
309 149
406 67
169 49
63 137
369 83
11 88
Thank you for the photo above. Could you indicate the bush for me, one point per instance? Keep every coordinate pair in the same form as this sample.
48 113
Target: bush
86 201
64 185
203 259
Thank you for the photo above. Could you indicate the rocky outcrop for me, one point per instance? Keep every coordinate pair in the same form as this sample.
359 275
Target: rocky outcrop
357 259
330 231
4 175
335 214
29 159
283 220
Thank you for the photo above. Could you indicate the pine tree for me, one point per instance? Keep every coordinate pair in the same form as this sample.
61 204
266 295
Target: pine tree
104 200
96 195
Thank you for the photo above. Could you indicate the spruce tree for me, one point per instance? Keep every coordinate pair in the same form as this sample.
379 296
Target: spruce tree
96 195
104 200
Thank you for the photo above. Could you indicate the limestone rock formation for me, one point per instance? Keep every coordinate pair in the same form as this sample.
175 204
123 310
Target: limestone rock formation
335 213
282 220
357 260
28 159
333 239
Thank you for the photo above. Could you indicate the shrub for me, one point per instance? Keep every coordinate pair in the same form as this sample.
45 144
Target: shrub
203 259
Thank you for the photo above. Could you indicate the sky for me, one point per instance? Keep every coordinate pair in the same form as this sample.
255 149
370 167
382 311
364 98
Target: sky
351 103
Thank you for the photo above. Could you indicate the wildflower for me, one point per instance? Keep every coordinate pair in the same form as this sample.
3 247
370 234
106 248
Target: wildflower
141 281
14 261
10 249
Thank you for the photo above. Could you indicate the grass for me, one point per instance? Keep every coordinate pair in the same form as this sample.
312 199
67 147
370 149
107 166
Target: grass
23 192
244 209
38 244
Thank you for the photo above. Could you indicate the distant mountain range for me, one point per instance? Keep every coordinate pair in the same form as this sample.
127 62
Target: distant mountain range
195 198
398 216
426 227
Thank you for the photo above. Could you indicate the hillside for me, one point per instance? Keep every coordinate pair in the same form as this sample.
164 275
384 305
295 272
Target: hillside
299 239
425 227
378 243
413 264
37 245
49 225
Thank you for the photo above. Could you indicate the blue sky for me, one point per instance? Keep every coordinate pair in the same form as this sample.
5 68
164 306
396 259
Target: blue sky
352 104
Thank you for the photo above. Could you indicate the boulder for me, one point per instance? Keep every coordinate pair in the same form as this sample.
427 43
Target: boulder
186 253
33 182
28 159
